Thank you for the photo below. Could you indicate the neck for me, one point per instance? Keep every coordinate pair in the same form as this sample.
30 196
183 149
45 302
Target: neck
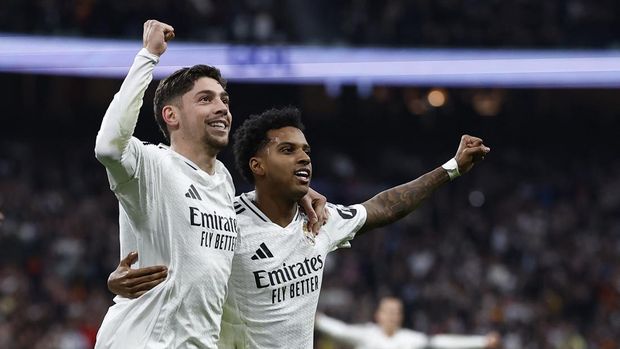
389 331
280 209
202 155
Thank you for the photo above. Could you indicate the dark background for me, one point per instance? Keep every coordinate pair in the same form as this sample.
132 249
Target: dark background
526 244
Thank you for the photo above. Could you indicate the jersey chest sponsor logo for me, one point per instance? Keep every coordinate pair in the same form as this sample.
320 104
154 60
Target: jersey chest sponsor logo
290 280
218 231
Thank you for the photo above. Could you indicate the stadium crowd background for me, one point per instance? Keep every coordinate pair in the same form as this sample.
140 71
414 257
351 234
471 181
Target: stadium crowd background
428 23
527 244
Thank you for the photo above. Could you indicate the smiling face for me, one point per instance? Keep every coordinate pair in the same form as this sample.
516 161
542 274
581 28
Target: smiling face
283 164
201 115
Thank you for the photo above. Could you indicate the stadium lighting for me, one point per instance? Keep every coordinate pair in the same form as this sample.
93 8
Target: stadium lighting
363 67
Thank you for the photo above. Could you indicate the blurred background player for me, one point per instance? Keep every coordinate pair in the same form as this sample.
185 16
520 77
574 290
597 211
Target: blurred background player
386 332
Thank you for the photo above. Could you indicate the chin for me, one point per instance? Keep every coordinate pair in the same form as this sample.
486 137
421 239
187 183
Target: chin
302 191
219 143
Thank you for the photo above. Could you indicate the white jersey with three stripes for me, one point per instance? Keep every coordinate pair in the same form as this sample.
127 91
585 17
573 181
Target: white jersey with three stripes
277 274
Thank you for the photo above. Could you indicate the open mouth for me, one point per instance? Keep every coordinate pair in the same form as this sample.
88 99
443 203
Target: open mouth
220 125
303 175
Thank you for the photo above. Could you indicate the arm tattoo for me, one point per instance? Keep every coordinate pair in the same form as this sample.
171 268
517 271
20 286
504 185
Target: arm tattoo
395 203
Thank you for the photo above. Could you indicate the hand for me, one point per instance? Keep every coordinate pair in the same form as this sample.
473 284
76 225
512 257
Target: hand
470 151
132 283
1 218
314 205
156 36
493 340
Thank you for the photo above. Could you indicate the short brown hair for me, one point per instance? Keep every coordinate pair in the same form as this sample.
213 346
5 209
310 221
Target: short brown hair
179 83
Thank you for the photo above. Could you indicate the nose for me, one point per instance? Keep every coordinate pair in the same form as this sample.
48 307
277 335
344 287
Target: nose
304 158
221 107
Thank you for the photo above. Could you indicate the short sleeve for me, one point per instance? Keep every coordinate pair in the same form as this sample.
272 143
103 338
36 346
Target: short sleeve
343 223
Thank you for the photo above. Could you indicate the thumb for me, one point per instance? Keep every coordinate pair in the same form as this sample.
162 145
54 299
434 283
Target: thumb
131 258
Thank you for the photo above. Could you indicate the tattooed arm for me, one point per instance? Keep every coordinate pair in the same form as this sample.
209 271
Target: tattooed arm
395 203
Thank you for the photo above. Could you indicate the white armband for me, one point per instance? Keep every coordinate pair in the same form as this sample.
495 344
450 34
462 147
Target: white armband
452 168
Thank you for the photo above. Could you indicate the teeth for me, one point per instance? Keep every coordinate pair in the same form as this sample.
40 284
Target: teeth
217 124
303 173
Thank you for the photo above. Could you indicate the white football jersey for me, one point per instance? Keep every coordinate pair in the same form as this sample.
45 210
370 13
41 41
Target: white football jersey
276 277
174 214
371 336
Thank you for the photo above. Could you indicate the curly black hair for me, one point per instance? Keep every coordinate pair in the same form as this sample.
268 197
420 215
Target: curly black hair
251 136
179 83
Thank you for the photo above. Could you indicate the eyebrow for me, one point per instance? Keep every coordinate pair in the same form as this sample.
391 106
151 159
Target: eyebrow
211 92
303 145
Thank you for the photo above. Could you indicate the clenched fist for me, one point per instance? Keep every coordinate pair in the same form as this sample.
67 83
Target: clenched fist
156 36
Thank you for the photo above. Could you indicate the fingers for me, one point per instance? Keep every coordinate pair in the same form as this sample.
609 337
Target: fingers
471 141
320 207
481 149
140 282
146 271
131 258
155 36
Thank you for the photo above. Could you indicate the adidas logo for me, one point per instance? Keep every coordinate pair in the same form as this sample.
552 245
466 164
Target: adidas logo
193 193
262 253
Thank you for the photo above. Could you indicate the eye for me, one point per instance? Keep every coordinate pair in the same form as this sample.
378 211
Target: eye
226 100
286 150
206 98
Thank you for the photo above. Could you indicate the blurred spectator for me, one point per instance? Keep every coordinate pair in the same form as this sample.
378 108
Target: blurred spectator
528 245
439 23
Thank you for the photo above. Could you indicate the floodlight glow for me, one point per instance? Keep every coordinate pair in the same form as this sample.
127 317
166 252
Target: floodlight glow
332 66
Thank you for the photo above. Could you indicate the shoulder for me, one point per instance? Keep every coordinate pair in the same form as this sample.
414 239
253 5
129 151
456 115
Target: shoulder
148 147
248 215
412 335
345 212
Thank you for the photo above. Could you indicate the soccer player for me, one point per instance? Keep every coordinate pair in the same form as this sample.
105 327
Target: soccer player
278 264
175 203
388 334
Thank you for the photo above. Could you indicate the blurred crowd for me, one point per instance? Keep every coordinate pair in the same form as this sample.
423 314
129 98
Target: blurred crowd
527 244
428 23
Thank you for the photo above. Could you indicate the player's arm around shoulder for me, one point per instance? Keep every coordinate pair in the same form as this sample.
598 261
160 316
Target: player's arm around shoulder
395 203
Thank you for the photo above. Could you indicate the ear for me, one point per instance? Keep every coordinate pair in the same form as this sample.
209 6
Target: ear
256 166
170 115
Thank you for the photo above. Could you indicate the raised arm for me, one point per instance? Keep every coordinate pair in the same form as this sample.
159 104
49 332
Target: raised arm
395 203
121 117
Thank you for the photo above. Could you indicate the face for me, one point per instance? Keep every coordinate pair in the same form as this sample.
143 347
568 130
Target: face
284 163
204 115
389 315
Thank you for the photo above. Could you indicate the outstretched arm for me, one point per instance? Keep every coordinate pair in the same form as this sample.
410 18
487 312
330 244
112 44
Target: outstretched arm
451 341
395 203
338 330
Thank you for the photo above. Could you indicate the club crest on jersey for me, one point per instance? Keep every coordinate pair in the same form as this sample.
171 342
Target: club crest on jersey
309 235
